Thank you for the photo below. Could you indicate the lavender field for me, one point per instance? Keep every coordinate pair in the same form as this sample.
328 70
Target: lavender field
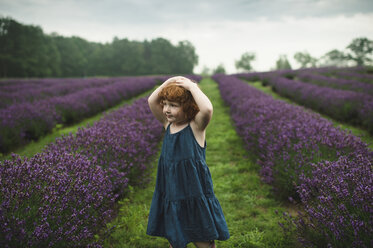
326 90
307 160
66 194
30 109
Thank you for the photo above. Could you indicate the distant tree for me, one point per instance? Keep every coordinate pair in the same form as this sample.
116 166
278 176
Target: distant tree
360 51
219 69
245 61
73 61
7 61
305 59
126 57
205 71
161 54
25 51
187 57
165 58
54 58
334 58
282 63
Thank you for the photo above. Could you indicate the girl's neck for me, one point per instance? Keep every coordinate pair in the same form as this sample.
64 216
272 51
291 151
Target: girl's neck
179 124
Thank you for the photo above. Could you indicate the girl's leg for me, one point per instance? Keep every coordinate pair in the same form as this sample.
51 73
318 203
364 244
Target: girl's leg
210 244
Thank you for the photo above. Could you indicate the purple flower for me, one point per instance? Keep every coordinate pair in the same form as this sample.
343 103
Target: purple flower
308 159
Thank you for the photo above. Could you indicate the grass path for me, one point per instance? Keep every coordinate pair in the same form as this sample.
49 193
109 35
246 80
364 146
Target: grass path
363 134
247 203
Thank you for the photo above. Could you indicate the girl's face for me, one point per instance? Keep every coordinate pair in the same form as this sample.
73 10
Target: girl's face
173 112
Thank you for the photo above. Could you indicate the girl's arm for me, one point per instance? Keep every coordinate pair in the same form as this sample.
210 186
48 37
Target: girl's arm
155 104
204 115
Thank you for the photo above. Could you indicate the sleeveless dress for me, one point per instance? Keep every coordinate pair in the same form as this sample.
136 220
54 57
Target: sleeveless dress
184 208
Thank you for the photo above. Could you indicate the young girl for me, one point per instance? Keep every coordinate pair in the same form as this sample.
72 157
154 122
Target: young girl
184 208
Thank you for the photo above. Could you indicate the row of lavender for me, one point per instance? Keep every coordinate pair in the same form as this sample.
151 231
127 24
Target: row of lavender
22 122
64 195
344 105
337 83
359 73
338 77
304 157
29 90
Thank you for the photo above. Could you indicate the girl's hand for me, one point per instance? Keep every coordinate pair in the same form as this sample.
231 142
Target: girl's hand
185 82
170 80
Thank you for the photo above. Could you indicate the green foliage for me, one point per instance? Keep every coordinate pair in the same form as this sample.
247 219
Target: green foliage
360 50
10 139
334 58
305 59
282 63
186 56
245 61
25 51
219 69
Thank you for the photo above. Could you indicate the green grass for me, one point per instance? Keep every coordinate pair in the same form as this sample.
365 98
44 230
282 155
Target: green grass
357 131
37 146
247 203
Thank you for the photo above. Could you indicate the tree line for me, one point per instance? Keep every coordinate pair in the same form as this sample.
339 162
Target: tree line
358 53
26 51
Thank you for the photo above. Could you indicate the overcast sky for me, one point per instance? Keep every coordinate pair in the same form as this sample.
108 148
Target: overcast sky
220 30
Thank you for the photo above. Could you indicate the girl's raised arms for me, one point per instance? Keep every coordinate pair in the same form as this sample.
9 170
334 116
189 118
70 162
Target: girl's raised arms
204 115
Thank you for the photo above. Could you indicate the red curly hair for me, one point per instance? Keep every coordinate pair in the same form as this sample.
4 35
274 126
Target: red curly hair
179 94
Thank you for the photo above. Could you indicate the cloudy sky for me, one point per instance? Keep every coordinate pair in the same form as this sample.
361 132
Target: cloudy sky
220 30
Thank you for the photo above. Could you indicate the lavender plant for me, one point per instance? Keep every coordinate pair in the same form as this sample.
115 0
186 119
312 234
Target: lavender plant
52 200
338 200
355 73
288 141
337 83
121 142
20 123
343 105
64 195
30 90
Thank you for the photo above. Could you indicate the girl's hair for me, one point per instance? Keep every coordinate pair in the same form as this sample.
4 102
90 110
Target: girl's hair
179 94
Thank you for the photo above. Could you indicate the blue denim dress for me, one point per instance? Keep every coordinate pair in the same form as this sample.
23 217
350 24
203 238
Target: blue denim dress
184 208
